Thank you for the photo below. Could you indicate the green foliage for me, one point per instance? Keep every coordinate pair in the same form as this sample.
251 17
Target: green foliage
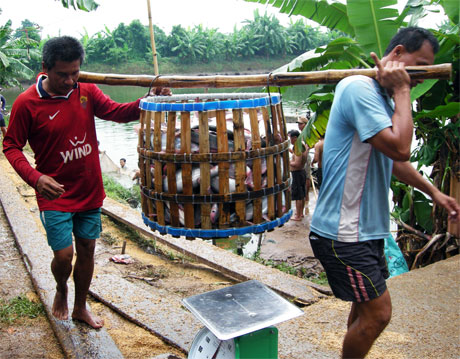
19 307
374 23
116 191
286 268
15 56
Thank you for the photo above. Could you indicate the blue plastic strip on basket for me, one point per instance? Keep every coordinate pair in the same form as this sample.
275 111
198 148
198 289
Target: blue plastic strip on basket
217 233
208 106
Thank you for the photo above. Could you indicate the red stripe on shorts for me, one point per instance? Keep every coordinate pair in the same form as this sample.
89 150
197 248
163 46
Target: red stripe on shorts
362 287
353 284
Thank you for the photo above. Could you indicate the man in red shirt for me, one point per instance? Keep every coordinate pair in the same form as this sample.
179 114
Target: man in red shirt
56 117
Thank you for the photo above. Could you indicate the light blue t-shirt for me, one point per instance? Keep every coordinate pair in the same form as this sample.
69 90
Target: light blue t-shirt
353 201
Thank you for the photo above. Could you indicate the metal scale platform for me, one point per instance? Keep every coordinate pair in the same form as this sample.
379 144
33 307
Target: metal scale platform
239 322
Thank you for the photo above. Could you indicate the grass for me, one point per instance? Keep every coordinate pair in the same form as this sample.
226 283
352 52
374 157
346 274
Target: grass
147 244
19 307
320 278
116 191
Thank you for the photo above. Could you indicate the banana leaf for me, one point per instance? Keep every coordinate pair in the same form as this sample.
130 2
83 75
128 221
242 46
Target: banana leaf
85 5
375 23
450 110
452 9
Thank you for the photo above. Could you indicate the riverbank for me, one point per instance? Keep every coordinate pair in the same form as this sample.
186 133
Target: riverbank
169 66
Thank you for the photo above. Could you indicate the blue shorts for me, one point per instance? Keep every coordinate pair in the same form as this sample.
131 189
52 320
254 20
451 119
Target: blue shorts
356 271
59 226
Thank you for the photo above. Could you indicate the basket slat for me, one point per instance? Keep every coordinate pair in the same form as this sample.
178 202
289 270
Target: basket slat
222 146
240 166
158 178
256 164
171 167
205 176
270 164
148 162
278 162
142 161
185 140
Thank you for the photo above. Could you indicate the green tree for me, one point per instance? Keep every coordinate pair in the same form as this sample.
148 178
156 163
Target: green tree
15 54
29 30
269 34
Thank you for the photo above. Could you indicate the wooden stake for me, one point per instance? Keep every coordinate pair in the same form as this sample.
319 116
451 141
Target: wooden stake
152 40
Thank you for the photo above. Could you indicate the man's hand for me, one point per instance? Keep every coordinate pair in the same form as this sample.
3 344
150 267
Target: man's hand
160 91
449 203
393 76
49 188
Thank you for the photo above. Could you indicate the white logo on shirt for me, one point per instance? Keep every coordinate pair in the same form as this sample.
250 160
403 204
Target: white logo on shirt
78 142
77 152
52 117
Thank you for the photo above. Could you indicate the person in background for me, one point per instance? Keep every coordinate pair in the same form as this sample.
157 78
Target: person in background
318 159
298 175
2 111
301 123
368 138
57 117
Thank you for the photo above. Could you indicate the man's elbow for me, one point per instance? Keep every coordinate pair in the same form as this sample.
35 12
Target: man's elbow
401 156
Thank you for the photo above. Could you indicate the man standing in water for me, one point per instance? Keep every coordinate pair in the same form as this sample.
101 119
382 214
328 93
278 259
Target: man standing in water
368 138
56 116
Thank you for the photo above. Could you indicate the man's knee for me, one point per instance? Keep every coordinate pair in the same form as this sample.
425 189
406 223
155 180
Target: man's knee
85 247
376 314
64 256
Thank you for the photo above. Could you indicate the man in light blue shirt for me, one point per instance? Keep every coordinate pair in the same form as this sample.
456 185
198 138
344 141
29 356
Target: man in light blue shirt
368 138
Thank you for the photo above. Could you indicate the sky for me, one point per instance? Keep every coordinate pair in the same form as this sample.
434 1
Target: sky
56 20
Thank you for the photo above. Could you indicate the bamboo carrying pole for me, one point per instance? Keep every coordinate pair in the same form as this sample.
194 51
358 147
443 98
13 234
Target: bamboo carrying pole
152 40
442 71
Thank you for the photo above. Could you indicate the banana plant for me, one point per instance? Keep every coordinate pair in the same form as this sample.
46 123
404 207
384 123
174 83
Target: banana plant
14 56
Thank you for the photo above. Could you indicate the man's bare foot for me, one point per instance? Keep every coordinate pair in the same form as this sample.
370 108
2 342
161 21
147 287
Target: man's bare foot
85 316
60 309
296 218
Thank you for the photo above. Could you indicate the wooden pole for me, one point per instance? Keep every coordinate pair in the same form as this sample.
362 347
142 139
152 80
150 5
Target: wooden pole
442 71
152 40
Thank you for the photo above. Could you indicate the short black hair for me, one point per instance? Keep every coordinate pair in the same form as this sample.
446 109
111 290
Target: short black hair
63 48
294 133
123 159
412 38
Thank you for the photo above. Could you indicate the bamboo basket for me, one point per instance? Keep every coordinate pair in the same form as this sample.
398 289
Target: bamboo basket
214 165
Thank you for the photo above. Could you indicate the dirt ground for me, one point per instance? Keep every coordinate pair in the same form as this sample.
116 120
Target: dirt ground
24 338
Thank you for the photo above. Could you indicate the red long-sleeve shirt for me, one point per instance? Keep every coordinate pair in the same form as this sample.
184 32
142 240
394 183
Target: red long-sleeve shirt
62 134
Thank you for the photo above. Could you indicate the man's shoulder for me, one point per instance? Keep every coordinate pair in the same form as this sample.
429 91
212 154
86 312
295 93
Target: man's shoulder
88 87
27 94
356 81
